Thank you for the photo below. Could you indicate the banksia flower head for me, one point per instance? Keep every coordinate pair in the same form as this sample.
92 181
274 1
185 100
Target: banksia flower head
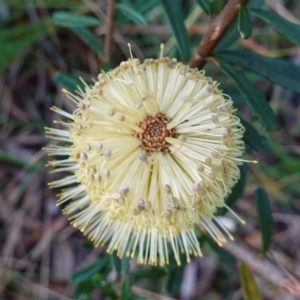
153 150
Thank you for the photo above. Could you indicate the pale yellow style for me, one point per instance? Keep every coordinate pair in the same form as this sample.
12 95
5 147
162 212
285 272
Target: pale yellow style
153 150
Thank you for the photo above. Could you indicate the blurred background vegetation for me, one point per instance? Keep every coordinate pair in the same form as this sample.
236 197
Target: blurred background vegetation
45 45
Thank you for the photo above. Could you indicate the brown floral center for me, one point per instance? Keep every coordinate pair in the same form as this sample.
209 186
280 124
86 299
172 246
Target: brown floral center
155 133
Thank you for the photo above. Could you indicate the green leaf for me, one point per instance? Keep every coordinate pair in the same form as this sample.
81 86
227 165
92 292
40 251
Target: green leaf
174 280
67 81
154 272
224 255
244 22
83 289
67 19
231 89
205 5
237 190
105 287
250 289
264 212
255 140
121 265
232 34
18 161
15 42
89 38
288 29
276 70
216 6
126 290
173 11
132 14
87 273
143 6
252 96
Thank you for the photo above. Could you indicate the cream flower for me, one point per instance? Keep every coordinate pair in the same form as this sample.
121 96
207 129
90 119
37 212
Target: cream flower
153 150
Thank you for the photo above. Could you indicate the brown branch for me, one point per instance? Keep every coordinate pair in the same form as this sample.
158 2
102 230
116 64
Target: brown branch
110 29
264 267
215 32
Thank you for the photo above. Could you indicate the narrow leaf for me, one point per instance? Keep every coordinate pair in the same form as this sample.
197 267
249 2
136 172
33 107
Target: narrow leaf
121 264
174 280
67 19
100 282
288 29
232 33
132 14
66 81
175 17
154 272
237 190
264 212
244 22
252 96
126 290
18 161
224 255
87 273
89 38
255 140
143 6
250 289
205 5
276 70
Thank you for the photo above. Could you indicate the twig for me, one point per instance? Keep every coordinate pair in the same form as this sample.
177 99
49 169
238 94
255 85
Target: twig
215 32
264 267
110 28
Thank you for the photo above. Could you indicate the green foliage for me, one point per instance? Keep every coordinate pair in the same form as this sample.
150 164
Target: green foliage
15 42
174 279
139 8
244 22
175 18
255 140
121 264
224 255
126 290
205 5
89 38
288 29
250 289
85 274
232 33
252 96
276 70
67 19
237 190
101 284
17 161
132 14
264 213
143 6
150 273
67 81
